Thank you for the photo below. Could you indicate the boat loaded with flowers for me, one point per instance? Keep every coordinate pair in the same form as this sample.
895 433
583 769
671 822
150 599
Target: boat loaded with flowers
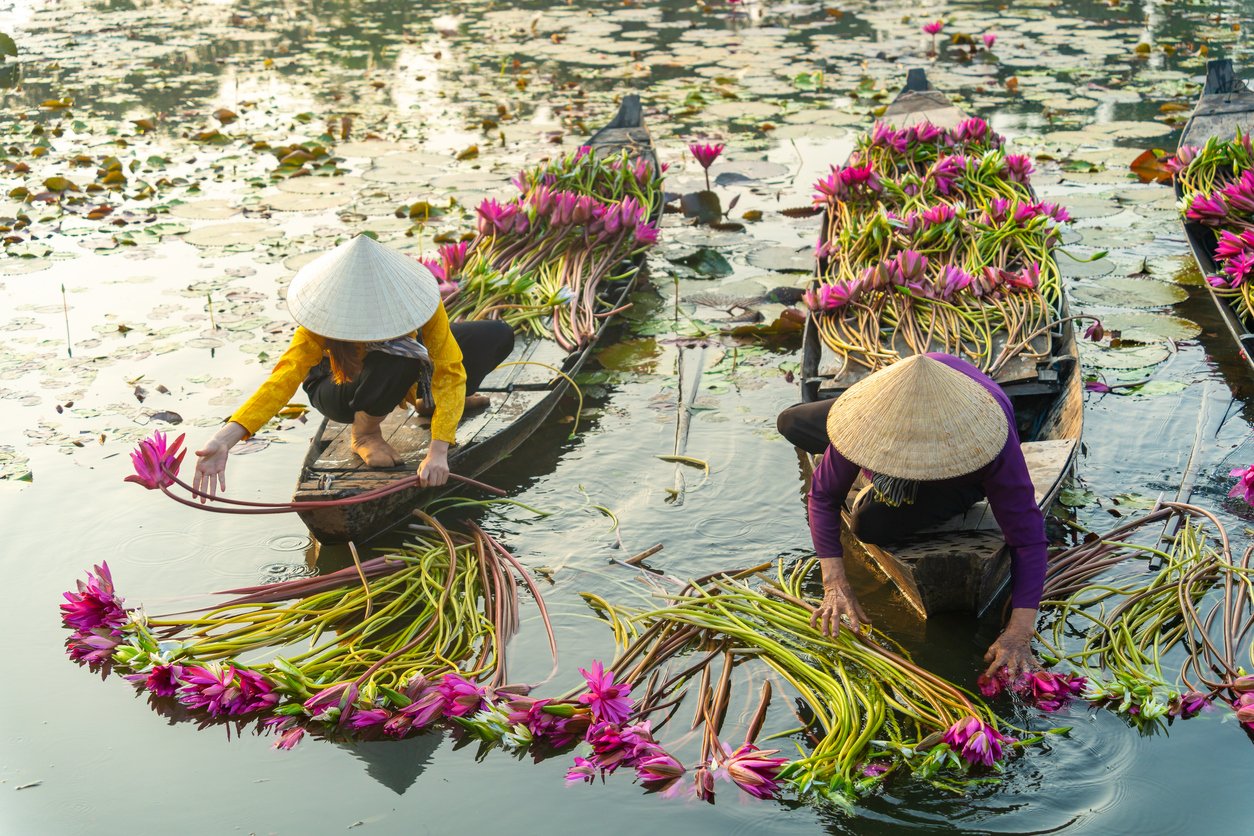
1214 177
933 240
557 262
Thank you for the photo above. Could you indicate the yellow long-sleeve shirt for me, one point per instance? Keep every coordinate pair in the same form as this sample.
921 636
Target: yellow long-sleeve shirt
448 379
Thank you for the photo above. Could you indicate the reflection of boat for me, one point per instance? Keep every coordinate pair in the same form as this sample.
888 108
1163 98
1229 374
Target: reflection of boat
1225 106
964 564
396 764
522 397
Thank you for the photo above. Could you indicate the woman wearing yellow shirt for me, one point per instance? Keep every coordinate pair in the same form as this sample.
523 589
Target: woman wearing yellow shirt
372 334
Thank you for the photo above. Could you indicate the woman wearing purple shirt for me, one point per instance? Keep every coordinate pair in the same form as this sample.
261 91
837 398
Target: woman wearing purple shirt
934 435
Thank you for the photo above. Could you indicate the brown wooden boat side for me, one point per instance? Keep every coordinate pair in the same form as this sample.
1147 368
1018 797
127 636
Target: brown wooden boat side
1224 107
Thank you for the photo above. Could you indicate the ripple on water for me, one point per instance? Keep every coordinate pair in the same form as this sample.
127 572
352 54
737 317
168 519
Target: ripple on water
157 548
725 528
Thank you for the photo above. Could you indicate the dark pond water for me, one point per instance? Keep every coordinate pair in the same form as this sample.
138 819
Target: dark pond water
786 86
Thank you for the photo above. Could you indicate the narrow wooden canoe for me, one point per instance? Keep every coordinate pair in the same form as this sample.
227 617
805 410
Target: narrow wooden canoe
964 564
1225 106
522 397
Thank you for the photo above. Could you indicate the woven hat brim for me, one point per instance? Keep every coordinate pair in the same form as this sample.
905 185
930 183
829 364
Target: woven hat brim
918 419
363 291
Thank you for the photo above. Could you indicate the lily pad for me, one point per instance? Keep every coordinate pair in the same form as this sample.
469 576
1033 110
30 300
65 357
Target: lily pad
1145 326
299 202
1123 359
243 233
783 259
204 210
639 355
704 206
1127 292
340 186
706 262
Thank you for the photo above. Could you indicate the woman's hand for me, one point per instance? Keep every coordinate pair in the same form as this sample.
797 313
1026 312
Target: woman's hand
211 461
433 471
838 600
1013 647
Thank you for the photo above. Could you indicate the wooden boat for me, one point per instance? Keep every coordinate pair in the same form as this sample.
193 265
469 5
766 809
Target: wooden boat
1225 106
964 564
522 397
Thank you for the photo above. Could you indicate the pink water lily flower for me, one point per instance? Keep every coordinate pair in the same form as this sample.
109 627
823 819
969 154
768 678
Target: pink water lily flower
989 39
290 738
96 604
659 768
161 681
453 257
1209 210
93 647
706 155
1189 705
583 772
1239 269
1244 487
156 464
1095 332
369 718
1018 168
754 770
975 741
933 29
1231 244
1240 194
461 696
608 700
1049 691
1179 161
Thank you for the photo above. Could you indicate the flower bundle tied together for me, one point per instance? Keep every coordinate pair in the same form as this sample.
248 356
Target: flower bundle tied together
542 260
1216 184
934 241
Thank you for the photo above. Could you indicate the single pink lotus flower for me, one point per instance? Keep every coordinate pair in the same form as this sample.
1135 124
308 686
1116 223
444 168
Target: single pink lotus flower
1244 487
706 155
1240 193
288 740
461 696
911 265
941 213
875 769
975 741
1239 269
989 39
453 258
1244 706
934 27
1189 705
883 136
703 784
325 705
369 718
583 772
156 465
161 681
945 173
658 769
1095 332
1208 210
1097 386
611 747
93 647
1049 691
608 700
96 604
754 770
954 280
210 687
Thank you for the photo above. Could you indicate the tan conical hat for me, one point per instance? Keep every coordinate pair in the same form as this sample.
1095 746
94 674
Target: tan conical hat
363 291
918 419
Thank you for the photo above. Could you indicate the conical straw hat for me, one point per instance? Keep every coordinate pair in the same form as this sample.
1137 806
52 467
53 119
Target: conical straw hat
363 291
918 419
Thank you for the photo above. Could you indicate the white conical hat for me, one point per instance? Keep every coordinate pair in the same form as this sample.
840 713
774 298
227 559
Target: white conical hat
363 291
918 419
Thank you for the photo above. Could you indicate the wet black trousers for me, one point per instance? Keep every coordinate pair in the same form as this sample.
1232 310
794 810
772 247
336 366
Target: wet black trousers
386 378
872 521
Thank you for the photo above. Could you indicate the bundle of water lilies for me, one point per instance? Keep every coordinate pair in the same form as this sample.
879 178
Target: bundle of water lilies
1216 184
544 260
934 241
1157 631
722 646
388 645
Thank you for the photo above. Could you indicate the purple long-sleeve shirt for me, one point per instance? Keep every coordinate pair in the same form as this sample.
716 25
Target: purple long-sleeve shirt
1004 480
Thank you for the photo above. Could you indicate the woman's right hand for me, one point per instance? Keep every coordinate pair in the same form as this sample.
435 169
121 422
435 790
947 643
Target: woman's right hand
838 600
211 468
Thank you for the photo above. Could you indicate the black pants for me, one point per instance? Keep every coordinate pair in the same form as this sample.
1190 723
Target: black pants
872 521
385 379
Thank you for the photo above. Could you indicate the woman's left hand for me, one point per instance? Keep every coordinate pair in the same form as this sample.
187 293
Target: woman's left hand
433 472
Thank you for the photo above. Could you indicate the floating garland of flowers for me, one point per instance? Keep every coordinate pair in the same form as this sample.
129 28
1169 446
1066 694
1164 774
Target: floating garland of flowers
382 636
934 241
542 260
1216 183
